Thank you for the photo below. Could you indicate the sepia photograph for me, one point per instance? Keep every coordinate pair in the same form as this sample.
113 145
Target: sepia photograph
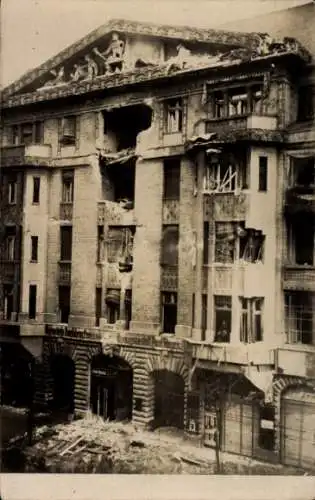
157 239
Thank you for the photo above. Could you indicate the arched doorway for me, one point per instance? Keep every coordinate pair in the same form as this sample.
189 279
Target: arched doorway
62 369
111 387
169 390
16 375
298 427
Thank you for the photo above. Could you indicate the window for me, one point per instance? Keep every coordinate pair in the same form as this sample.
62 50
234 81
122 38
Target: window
237 99
302 172
225 242
174 116
26 133
193 311
64 303
256 100
251 320
36 189
223 318
100 244
8 301
32 302
263 173
67 186
169 251
204 315
10 239
206 242
113 305
218 105
34 248
128 308
98 306
65 243
306 103
38 132
68 131
299 317
301 239
266 438
169 312
15 135
12 191
252 244
220 175
172 179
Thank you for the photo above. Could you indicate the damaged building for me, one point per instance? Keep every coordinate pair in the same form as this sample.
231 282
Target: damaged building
157 236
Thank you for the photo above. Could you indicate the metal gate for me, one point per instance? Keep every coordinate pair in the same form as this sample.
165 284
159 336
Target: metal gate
168 399
298 429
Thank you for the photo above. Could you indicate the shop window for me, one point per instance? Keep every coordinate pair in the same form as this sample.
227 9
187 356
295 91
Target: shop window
225 242
32 301
223 318
169 312
12 191
173 115
206 235
34 248
67 186
36 189
306 103
263 174
171 179
251 320
266 438
66 243
169 251
68 131
252 243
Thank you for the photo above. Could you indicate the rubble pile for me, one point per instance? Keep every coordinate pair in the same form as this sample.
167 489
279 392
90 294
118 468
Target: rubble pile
94 445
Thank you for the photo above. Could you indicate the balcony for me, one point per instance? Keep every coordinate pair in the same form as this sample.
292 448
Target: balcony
297 277
33 154
300 199
116 214
64 273
66 211
243 122
296 360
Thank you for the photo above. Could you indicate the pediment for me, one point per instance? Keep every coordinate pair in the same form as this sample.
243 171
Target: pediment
125 47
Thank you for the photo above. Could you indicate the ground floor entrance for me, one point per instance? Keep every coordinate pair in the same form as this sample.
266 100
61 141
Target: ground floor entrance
16 375
111 388
169 388
62 369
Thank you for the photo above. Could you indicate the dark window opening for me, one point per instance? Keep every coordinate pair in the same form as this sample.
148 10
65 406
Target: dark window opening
34 248
266 439
252 244
218 105
302 234
206 236
32 301
263 173
193 311
65 243
27 133
36 189
15 135
128 308
122 125
302 172
10 243
121 179
68 131
67 186
169 251
251 320
306 103
223 318
119 244
204 315
100 244
173 115
172 179
225 242
8 299
12 191
98 306
169 312
299 317
64 303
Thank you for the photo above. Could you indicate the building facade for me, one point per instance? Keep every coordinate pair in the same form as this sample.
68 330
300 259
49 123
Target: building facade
157 223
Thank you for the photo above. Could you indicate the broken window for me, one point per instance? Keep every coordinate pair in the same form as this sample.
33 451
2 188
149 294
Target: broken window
299 317
238 102
122 126
119 182
301 239
225 173
252 244
171 189
169 312
169 250
67 186
173 115
10 241
225 242
251 320
223 318
120 246
266 439
68 131
65 243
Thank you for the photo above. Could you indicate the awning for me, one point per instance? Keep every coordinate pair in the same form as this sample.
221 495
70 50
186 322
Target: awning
262 379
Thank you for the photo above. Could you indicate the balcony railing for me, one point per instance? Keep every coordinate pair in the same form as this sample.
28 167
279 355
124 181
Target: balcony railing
242 122
26 155
297 277
65 273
